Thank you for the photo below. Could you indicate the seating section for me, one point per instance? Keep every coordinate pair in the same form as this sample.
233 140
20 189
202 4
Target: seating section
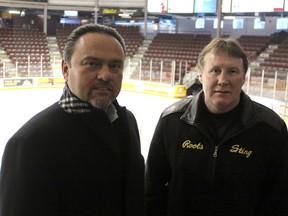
253 45
276 61
169 52
62 32
132 37
28 50
166 55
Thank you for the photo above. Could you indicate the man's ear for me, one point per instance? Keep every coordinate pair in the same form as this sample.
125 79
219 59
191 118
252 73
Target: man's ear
64 70
243 82
200 77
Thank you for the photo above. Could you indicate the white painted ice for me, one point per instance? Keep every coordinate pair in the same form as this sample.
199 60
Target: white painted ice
18 106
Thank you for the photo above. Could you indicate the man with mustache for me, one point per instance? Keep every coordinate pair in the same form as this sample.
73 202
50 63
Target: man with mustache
80 156
218 153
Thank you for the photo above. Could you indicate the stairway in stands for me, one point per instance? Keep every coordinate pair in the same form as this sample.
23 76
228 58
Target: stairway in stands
6 64
55 56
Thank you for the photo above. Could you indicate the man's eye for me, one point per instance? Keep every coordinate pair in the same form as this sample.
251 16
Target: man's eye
116 66
92 63
233 71
216 70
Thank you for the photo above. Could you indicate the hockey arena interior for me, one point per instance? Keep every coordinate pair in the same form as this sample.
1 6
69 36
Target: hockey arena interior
163 40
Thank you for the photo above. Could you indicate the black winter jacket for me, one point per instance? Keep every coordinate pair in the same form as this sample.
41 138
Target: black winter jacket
63 164
246 174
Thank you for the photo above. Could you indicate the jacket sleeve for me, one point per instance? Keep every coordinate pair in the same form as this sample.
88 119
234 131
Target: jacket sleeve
157 174
135 184
26 187
277 195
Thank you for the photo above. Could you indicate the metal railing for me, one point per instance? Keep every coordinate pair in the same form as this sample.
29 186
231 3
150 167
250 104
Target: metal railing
174 72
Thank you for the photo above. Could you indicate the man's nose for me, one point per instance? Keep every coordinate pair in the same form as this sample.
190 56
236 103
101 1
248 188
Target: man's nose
223 79
104 73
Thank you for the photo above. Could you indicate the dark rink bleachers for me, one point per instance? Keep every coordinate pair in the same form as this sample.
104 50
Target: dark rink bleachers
168 52
131 35
28 50
253 45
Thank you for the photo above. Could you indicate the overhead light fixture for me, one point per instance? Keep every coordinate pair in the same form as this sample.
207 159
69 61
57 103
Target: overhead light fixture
229 17
124 15
14 12
22 13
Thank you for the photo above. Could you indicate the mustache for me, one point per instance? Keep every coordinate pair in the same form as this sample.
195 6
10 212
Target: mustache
102 84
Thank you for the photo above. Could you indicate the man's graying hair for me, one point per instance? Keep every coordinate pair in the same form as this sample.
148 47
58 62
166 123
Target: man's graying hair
225 45
89 28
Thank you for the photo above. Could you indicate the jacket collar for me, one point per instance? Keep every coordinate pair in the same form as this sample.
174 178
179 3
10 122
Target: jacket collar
248 116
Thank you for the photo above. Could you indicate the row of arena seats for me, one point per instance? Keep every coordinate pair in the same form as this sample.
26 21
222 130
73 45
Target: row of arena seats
269 72
62 32
254 45
131 35
27 49
277 59
182 50
167 49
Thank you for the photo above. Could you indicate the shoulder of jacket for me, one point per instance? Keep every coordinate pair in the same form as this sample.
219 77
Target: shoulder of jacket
268 116
179 106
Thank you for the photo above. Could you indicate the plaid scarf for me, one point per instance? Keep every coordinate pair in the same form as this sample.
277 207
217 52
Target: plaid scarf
72 104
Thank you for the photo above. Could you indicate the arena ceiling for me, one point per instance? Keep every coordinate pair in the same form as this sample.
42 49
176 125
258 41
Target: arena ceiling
87 8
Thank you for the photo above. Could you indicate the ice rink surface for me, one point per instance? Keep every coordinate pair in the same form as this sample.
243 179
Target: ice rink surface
18 106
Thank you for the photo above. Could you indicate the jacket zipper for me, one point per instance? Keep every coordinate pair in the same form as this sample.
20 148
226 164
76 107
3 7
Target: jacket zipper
215 151
215 154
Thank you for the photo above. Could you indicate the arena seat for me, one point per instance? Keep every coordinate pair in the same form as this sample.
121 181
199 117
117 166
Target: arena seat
253 45
131 35
62 32
278 58
183 49
25 47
